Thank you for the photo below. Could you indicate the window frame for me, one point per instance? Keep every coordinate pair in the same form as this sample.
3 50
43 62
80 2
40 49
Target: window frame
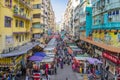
21 23
7 21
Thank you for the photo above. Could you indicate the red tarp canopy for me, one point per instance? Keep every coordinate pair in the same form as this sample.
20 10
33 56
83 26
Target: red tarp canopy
69 50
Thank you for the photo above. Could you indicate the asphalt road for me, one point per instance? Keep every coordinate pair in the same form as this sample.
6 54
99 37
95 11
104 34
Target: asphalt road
66 72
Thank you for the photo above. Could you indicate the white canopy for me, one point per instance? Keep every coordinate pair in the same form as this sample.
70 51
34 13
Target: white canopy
41 45
76 49
49 48
74 46
52 42
50 54
48 59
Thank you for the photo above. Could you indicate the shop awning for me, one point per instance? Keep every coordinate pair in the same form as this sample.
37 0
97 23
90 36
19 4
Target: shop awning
104 46
21 50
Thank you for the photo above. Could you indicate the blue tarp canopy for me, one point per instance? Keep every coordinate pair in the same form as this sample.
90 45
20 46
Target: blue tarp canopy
41 54
36 58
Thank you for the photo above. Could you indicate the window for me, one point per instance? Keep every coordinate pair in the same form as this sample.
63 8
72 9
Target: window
36 6
8 21
23 38
16 23
36 15
36 25
21 24
108 1
117 11
8 3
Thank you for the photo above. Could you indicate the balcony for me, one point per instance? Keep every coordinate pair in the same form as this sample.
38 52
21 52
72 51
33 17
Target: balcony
113 5
112 25
21 15
25 3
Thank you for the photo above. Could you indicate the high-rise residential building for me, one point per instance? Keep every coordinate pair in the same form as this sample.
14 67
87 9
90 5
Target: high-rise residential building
68 15
49 15
37 19
102 38
15 34
15 18
80 18
106 32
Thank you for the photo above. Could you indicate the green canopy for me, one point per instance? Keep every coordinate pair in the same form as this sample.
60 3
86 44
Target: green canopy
83 55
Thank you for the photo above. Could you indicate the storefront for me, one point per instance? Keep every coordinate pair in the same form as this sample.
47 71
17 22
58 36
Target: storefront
13 64
98 53
111 63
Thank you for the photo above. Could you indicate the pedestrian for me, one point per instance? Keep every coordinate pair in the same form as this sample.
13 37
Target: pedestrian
61 64
66 78
55 70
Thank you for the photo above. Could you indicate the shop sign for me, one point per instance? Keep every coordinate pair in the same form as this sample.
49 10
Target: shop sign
9 40
98 52
6 62
110 57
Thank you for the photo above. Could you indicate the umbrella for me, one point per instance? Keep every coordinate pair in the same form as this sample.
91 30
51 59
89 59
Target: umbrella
40 54
36 58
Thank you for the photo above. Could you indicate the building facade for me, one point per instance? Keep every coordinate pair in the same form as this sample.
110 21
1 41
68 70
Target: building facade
16 26
106 30
68 15
102 38
15 34
80 18
37 20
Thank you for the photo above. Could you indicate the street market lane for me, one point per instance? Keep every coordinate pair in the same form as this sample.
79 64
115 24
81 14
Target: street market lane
66 72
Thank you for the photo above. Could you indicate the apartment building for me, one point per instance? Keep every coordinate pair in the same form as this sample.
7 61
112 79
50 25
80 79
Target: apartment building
37 20
15 18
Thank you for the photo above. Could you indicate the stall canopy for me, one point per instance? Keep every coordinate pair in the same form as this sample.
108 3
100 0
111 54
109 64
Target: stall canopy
76 49
56 36
48 59
36 58
94 61
41 54
41 45
49 54
49 48
82 57
69 50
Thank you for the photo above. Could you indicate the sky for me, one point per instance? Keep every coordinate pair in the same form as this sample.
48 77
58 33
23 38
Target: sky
59 7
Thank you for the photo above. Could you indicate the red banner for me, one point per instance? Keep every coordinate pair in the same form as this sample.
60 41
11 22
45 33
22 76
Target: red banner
111 58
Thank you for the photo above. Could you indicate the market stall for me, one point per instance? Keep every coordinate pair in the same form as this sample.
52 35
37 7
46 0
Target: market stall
95 65
81 59
50 64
